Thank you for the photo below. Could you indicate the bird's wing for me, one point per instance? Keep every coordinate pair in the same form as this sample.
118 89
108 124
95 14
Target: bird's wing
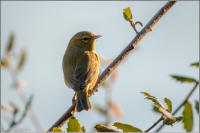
86 69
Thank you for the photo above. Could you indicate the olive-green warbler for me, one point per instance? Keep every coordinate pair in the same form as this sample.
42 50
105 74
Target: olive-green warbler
81 67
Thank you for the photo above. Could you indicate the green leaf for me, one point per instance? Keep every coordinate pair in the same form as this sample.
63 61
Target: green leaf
146 94
21 59
153 99
197 106
169 104
155 109
183 79
126 127
102 128
10 43
127 13
195 64
55 129
188 117
73 125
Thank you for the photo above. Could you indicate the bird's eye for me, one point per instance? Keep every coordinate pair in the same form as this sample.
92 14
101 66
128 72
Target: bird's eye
86 38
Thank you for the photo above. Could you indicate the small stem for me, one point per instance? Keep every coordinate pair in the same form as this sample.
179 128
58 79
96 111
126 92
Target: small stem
133 25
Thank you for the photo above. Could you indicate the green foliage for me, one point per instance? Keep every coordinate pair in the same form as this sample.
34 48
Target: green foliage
179 118
102 128
4 63
10 43
146 94
195 64
188 117
21 59
155 109
100 109
169 104
153 99
197 106
73 125
55 129
127 13
126 127
170 122
183 79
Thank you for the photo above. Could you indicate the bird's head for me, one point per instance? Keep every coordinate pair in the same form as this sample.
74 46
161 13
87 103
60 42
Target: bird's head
84 40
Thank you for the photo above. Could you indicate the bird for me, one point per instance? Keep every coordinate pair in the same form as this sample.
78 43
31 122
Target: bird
81 67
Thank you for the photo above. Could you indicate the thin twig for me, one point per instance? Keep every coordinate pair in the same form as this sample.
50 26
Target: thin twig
184 101
118 60
14 122
158 121
133 25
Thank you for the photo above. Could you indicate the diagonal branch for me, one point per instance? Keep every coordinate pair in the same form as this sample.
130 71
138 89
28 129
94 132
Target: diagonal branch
118 60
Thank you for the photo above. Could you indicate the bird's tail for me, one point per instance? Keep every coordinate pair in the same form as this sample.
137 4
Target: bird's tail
83 102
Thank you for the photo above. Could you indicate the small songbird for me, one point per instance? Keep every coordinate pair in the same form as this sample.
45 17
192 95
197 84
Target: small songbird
81 67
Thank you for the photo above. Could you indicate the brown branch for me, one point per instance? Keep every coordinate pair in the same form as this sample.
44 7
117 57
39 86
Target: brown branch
182 104
156 123
118 60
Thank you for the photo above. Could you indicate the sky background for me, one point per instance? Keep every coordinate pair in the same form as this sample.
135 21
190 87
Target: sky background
45 28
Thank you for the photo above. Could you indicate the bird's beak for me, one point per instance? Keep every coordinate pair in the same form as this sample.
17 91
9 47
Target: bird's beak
96 36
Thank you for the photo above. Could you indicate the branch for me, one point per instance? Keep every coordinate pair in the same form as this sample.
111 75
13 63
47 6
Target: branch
184 101
14 122
156 123
118 60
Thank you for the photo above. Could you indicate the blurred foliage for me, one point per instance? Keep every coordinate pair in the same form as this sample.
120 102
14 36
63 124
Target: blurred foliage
115 108
7 61
4 63
100 109
21 59
183 79
197 106
126 127
195 64
10 44
188 117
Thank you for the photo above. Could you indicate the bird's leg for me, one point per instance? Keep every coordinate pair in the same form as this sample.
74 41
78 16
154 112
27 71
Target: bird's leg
74 99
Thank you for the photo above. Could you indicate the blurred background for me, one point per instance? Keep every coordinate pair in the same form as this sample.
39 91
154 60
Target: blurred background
44 29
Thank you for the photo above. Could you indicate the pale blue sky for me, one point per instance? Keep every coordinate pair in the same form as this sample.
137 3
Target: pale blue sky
45 28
